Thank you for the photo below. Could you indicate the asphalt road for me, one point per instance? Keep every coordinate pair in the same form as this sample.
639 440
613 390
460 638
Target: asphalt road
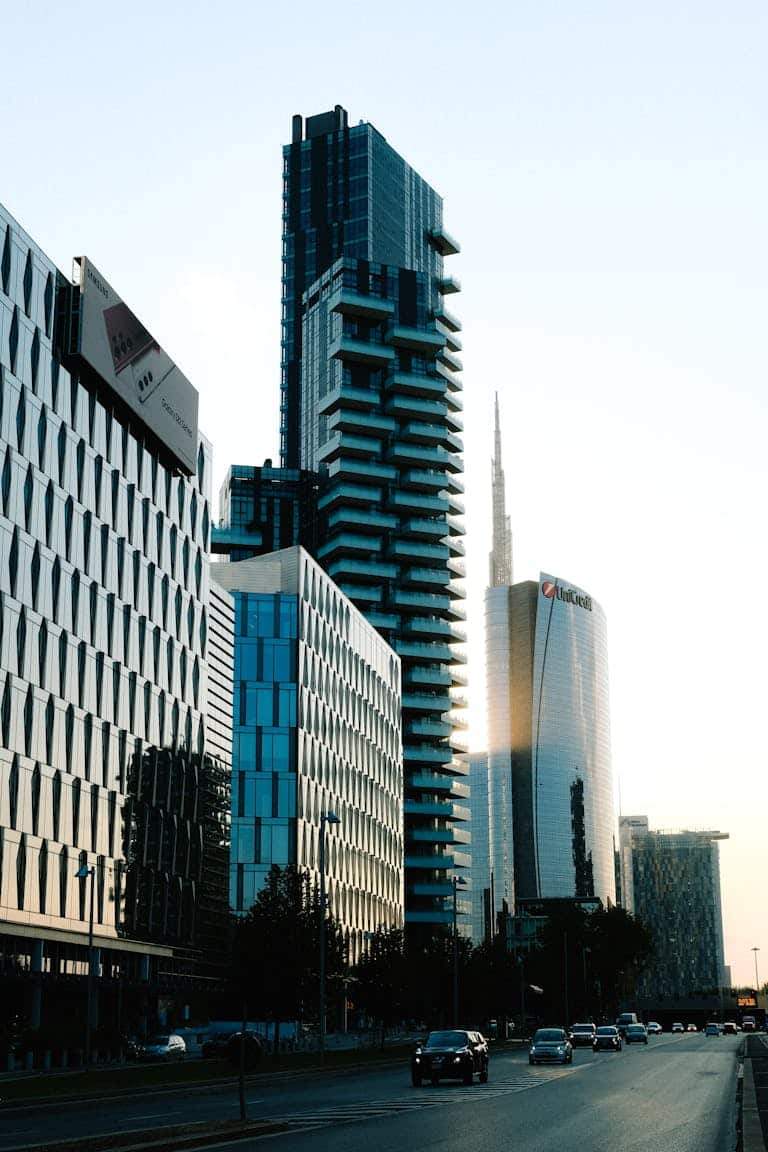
676 1095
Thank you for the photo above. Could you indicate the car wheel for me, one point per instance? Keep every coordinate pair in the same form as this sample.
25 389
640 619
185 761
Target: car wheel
467 1078
416 1081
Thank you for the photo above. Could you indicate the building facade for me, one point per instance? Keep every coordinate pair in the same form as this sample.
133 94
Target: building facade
265 509
481 925
104 606
674 880
316 729
372 404
550 783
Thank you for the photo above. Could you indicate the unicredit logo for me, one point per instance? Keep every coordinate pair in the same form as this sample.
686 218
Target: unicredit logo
569 595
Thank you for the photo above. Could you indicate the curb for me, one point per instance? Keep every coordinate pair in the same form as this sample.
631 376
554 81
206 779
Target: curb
178 1137
751 1127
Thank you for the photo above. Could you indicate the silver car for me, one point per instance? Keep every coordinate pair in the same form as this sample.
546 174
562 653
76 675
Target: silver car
550 1046
167 1047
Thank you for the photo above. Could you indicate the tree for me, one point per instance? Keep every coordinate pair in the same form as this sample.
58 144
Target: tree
621 946
381 979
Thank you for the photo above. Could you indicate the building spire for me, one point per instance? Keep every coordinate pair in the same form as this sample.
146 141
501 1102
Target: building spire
501 553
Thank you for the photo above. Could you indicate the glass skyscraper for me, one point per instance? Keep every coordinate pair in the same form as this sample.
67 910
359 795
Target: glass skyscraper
672 883
550 782
317 728
372 403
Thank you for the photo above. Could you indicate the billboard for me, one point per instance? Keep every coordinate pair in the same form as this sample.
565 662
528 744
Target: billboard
133 364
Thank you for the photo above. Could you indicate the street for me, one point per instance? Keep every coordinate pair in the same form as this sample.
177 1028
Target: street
676 1094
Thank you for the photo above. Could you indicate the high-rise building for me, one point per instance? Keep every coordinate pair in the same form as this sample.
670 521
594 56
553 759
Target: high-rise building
108 784
674 880
372 403
481 894
550 784
264 510
316 729
500 560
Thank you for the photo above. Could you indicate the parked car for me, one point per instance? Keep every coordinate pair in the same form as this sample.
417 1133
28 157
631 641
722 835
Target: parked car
624 1020
636 1034
691 1028
712 1029
550 1046
730 1028
166 1046
216 1044
678 1027
454 1054
653 1028
607 1038
582 1035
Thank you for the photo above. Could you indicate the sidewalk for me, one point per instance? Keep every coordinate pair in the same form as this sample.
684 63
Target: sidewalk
755 1099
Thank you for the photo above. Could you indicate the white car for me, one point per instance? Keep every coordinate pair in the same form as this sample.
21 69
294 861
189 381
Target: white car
654 1028
678 1027
164 1047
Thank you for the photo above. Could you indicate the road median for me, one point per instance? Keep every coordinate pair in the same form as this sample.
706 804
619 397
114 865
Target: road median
177 1137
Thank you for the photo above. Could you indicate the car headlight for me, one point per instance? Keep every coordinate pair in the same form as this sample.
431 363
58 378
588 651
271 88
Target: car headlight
457 1059
561 1050
417 1059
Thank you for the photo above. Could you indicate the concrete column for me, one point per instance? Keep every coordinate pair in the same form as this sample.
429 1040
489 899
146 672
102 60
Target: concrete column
35 1014
96 972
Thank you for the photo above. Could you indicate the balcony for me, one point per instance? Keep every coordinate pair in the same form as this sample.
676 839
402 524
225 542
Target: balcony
435 916
418 502
436 676
428 729
455 525
427 576
413 406
427 529
361 351
222 539
364 520
382 620
425 340
448 319
424 433
443 242
454 442
456 504
405 453
416 550
452 381
348 397
456 545
448 286
416 384
454 421
358 420
451 362
426 653
430 626
442 861
349 494
433 888
452 342
349 542
360 469
364 569
363 593
453 399
454 484
433 782
426 702
458 568
427 754
439 836
424 479
435 809
345 444
351 303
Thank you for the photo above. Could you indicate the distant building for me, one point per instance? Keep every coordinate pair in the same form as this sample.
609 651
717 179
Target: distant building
317 704
675 886
481 896
265 509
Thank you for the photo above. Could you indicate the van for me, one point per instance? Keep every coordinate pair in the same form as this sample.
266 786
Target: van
624 1020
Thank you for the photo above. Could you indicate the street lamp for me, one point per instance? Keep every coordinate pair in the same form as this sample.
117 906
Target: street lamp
325 818
456 881
83 873
757 979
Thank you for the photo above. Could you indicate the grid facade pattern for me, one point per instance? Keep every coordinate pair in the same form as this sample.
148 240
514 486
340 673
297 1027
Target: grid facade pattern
676 891
103 642
499 654
317 729
481 924
381 402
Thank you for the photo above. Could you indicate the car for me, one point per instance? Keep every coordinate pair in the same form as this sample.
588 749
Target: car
730 1028
582 1035
691 1028
607 1038
216 1044
550 1046
636 1034
624 1020
748 1024
164 1046
453 1054
712 1029
653 1028
678 1027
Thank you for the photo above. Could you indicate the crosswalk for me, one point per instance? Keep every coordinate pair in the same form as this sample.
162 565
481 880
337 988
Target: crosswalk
418 1100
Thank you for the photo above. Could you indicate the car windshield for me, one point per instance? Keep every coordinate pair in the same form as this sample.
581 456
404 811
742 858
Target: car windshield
606 1031
446 1040
636 1028
549 1036
158 1039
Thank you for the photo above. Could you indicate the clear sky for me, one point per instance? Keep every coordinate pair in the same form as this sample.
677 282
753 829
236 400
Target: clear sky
604 166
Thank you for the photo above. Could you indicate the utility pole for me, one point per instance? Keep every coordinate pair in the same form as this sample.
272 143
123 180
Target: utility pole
325 818
83 873
565 979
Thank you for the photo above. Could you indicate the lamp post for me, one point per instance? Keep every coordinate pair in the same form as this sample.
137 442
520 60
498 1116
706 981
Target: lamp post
456 881
757 978
83 873
325 818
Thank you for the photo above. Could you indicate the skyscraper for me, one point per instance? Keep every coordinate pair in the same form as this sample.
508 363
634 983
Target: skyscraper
674 881
372 402
550 783
500 560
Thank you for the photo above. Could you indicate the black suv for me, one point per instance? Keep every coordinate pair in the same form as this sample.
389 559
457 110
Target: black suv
456 1054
